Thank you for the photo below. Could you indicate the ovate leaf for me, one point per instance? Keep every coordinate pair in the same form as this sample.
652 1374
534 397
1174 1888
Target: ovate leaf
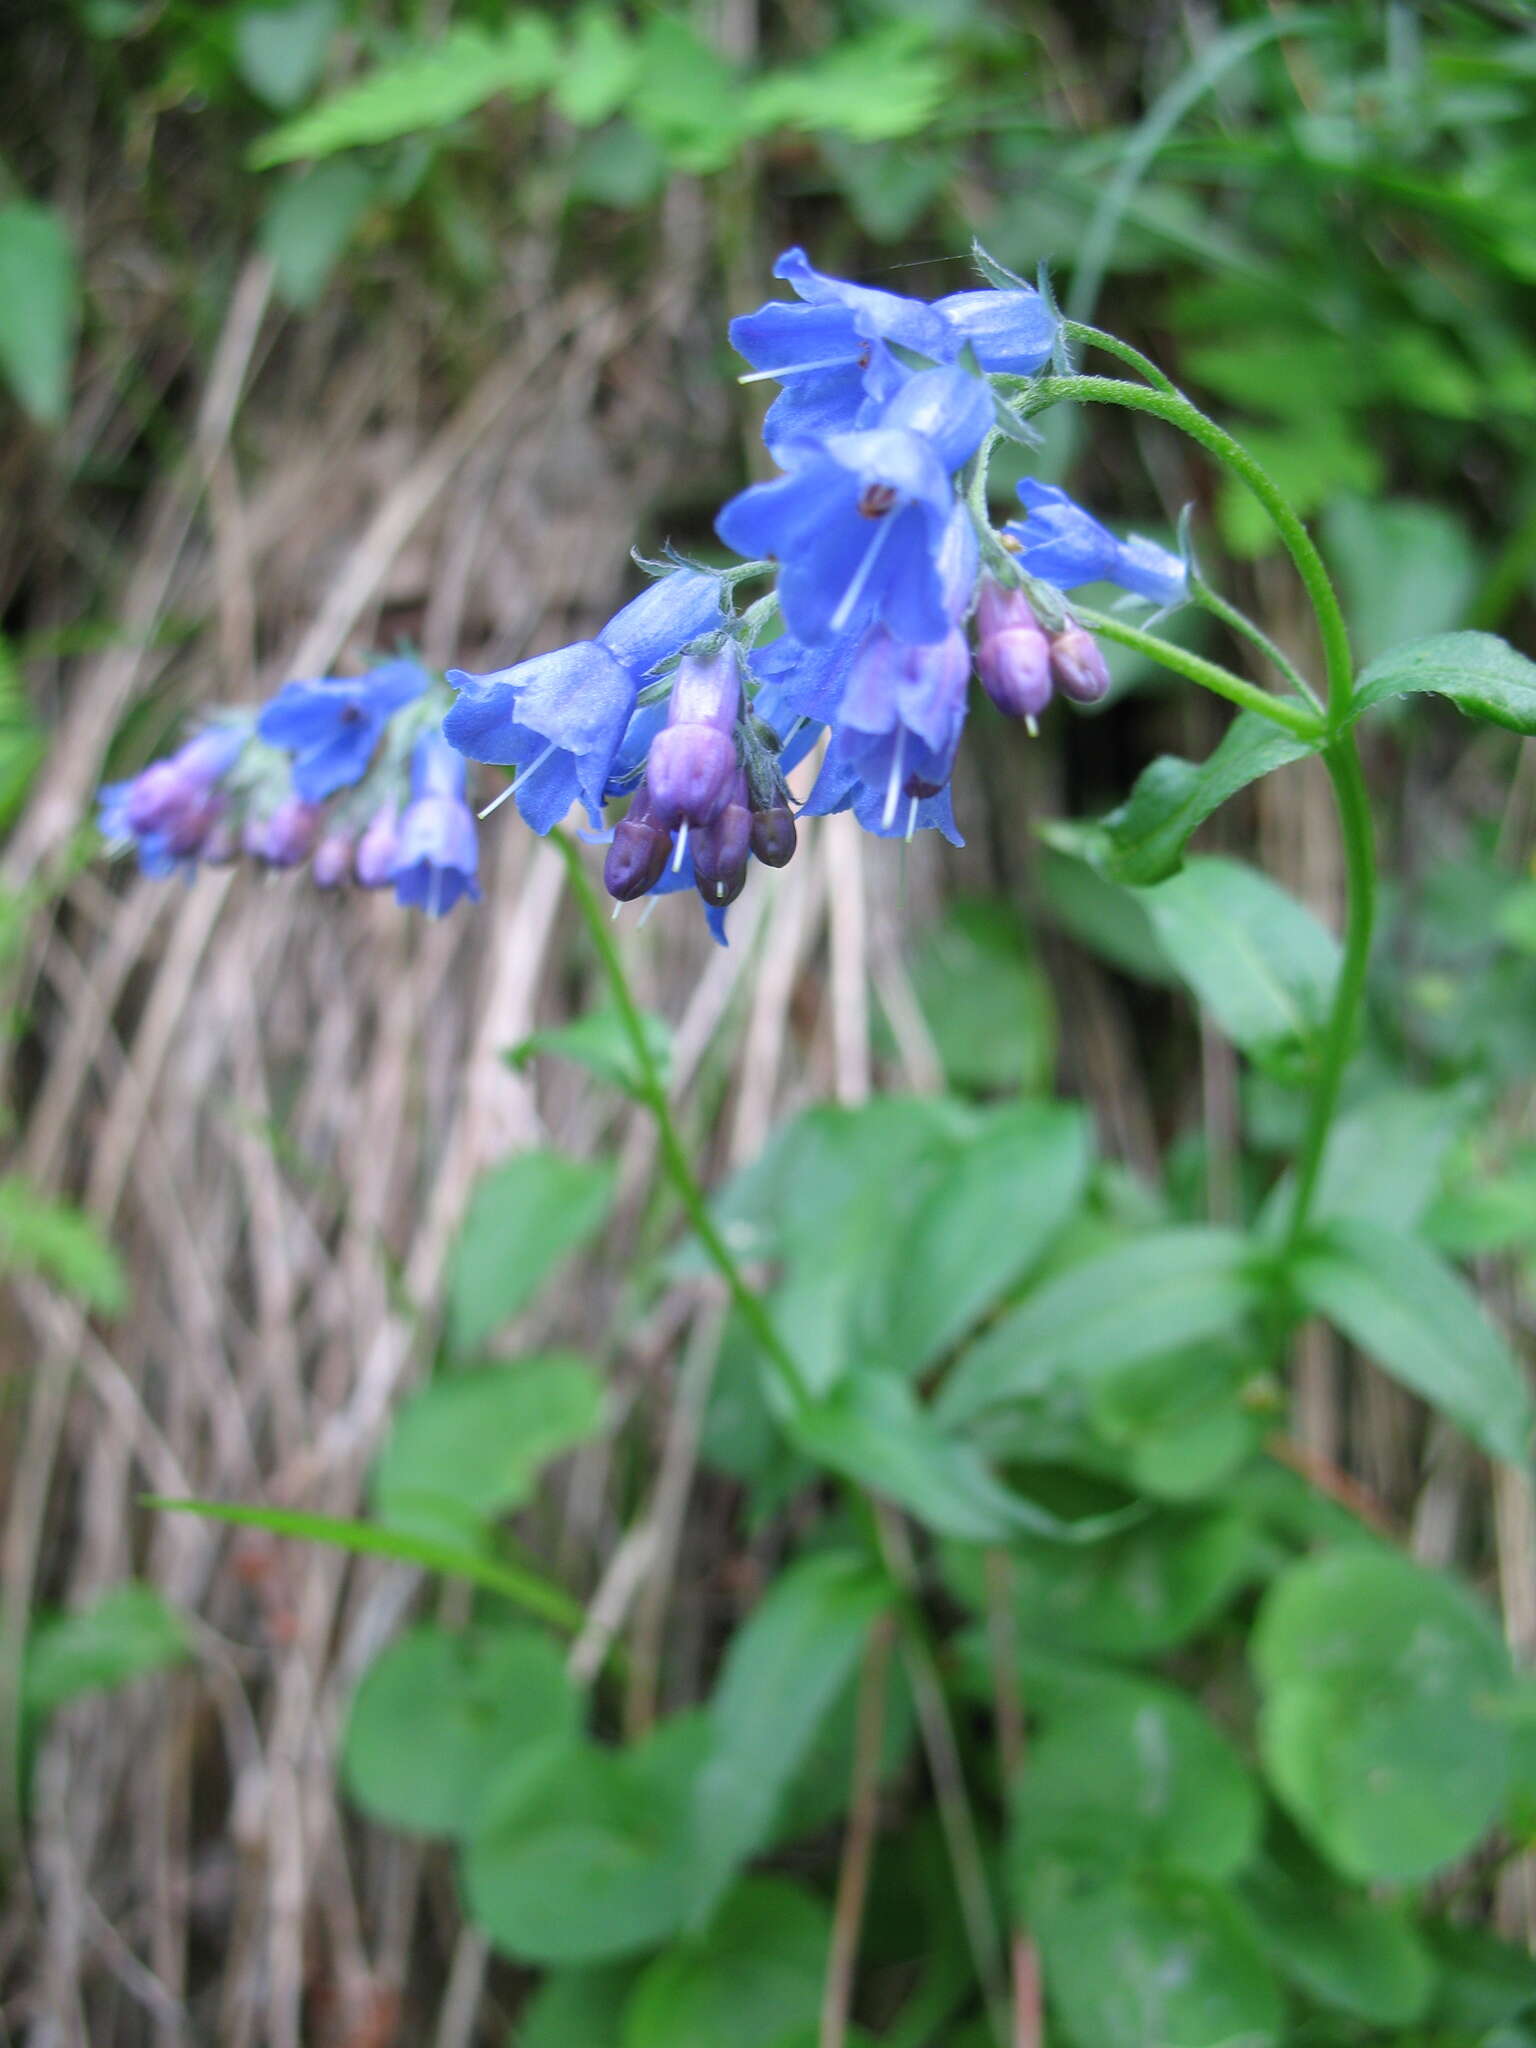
471 1445
1136 1301
39 307
1144 840
1360 1955
784 1672
61 1244
1396 1298
1380 1728
524 1218
308 224
1481 674
983 1225
280 51
1256 958
128 1631
437 1715
752 1978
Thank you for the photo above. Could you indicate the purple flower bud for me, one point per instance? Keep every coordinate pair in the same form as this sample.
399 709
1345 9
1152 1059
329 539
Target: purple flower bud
1078 666
637 858
774 836
692 765
286 837
332 864
722 848
375 858
1013 652
222 846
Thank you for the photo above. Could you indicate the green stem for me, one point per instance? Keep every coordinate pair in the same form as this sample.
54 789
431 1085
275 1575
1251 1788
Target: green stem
674 1153
1296 718
1178 412
1112 345
1343 764
1240 623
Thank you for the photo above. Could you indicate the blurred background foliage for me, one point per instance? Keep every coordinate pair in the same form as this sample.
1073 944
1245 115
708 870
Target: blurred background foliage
329 324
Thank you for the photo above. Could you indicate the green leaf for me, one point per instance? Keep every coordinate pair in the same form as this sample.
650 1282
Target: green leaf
1395 1298
688 99
471 1445
524 1588
1359 1955
436 1715
1143 841
1255 957
1484 1982
1378 1729
426 89
833 92
1405 569
586 1855
1152 1960
128 1631
1109 920
39 307
873 1430
1386 1157
308 223
599 1042
1136 1593
577 2009
61 1244
1184 1421
783 1673
982 1226
524 1218
280 51
1133 1773
986 1000
1481 674
1139 1300
751 1979
599 69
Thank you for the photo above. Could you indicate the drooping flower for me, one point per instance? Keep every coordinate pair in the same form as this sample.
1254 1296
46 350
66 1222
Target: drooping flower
168 810
722 848
1062 544
831 353
332 726
560 718
857 524
437 852
638 853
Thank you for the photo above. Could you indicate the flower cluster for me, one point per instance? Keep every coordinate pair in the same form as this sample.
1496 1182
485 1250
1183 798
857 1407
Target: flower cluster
890 588
349 773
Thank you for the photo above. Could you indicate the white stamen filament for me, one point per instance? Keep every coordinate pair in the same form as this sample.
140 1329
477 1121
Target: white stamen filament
799 369
861 575
524 777
1031 725
893 785
682 848
911 819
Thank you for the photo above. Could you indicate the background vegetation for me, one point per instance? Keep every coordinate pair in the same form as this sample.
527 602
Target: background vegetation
329 325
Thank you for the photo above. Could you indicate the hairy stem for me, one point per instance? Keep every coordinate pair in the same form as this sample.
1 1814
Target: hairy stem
1178 412
1111 344
1240 623
1210 675
1343 764
674 1153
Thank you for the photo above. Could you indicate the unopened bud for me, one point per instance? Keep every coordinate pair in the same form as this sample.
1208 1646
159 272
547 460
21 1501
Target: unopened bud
1078 666
722 849
637 858
332 864
374 860
774 836
691 768
1013 654
286 837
